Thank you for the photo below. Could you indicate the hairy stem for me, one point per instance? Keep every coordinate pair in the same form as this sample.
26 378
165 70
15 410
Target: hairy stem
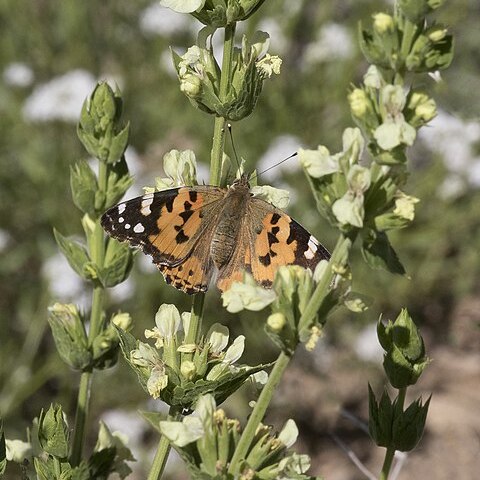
258 412
219 127
160 459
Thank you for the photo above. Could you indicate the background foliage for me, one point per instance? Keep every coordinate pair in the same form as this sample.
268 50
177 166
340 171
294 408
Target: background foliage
52 53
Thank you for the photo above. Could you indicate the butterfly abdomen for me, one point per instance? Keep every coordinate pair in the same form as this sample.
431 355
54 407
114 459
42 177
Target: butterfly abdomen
225 239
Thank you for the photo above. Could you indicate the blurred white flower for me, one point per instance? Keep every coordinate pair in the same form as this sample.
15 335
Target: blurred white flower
123 291
452 187
367 346
65 284
4 239
280 148
59 99
333 42
162 21
456 141
130 423
18 75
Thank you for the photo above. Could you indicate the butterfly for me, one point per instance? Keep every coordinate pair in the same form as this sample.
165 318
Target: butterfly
195 232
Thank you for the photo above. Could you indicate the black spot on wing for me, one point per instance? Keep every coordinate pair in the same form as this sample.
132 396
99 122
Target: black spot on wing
265 260
181 237
275 218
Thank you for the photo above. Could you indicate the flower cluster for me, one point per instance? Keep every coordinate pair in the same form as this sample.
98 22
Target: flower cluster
207 439
178 372
199 75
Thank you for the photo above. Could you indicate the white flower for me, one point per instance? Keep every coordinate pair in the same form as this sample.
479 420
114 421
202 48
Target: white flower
157 381
289 434
319 162
17 450
18 75
349 209
59 99
158 20
247 295
276 196
218 338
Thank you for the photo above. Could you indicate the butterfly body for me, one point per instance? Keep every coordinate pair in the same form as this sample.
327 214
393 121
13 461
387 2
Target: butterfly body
194 232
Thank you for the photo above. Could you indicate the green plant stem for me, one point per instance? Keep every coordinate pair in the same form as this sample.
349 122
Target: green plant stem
80 418
219 127
97 253
160 459
258 412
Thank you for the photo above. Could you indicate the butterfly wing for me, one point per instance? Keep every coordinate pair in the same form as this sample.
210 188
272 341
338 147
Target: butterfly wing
172 226
276 240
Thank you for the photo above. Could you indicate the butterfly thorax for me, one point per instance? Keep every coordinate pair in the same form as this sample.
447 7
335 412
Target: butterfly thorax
225 238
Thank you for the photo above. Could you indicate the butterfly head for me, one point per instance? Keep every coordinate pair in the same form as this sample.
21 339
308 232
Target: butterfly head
243 181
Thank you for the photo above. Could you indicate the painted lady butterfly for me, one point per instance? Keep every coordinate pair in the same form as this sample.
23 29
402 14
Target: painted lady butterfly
191 232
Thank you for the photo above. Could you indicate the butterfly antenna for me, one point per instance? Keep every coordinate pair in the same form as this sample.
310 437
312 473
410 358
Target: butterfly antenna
276 165
229 126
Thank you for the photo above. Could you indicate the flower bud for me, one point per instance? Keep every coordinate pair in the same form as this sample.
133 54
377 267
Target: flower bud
359 102
190 85
157 381
382 23
437 34
276 322
405 206
315 335
188 370
122 320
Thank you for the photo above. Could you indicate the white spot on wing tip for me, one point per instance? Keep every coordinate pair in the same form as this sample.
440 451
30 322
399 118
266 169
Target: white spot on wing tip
127 226
121 208
138 228
147 200
312 248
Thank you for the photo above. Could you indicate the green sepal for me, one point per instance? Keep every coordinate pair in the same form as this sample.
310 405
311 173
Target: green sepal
408 427
77 256
416 10
395 156
69 334
46 469
3 450
119 181
117 264
405 357
84 186
153 418
53 432
105 348
128 343
226 12
428 56
379 253
380 420
372 48
81 472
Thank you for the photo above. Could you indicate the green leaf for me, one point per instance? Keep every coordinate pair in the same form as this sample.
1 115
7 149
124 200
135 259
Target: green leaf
101 463
117 265
84 185
187 395
378 253
77 256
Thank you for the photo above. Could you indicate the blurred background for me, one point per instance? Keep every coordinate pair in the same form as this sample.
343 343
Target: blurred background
51 56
